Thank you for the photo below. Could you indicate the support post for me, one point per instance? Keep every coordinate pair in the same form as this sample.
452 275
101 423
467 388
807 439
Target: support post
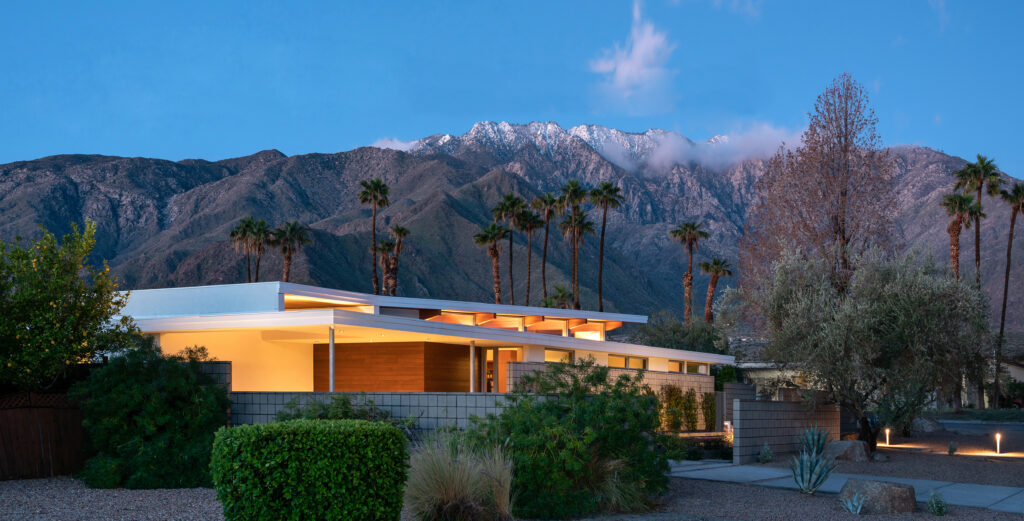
472 366
330 349
496 365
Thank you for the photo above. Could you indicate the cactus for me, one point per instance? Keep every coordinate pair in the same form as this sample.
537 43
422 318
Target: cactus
810 471
936 505
813 440
766 455
853 504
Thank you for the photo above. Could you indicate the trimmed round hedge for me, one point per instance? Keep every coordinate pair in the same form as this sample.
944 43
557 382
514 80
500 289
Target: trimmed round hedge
310 469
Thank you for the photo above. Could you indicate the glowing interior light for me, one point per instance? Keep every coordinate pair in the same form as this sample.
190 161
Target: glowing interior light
998 436
886 436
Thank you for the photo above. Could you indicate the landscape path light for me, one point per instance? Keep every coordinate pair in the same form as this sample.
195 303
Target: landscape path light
998 436
886 436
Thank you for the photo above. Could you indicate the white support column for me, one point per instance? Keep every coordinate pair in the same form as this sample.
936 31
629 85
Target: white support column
472 366
496 367
330 349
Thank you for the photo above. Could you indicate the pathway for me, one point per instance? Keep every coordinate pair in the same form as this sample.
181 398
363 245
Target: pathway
1003 499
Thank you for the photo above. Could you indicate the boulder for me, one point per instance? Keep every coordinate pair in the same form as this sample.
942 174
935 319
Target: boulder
881 497
925 425
854 450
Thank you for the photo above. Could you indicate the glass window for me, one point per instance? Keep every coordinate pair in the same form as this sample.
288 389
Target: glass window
637 363
675 367
557 356
616 361
692 367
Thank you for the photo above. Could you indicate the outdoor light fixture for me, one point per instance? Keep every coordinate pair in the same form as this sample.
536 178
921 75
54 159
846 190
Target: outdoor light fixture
998 436
887 436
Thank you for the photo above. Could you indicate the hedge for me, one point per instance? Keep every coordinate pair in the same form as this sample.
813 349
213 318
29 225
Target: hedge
310 469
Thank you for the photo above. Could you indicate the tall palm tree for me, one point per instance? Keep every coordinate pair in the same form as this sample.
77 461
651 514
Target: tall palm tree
528 222
399 234
241 238
1015 198
386 250
561 298
962 210
573 195
491 236
374 193
290 237
981 174
509 208
605 196
574 228
717 268
689 235
259 237
548 206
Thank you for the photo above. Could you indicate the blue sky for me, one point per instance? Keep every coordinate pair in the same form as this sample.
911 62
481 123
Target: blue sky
182 80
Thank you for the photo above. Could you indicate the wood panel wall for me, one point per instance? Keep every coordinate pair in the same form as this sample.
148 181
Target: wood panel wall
393 367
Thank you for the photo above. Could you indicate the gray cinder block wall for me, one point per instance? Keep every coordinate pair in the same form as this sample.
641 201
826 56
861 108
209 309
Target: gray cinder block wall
779 424
724 401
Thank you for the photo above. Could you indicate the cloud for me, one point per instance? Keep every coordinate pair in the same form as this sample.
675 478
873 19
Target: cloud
759 140
751 8
394 144
636 75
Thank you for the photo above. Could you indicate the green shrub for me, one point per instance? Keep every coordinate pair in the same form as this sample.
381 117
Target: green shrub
583 443
678 448
707 410
689 406
449 481
310 469
723 374
154 416
766 455
953 446
340 406
671 406
936 505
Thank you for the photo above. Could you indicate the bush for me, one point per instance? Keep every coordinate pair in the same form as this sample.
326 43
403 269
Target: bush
151 420
586 444
936 505
678 448
449 481
723 374
766 455
310 469
689 406
665 330
341 407
672 407
707 410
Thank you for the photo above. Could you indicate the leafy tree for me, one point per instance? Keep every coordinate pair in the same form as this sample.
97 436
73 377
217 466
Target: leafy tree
528 222
717 268
689 235
56 310
977 176
490 237
605 196
374 193
548 205
290 237
509 208
664 330
1015 198
962 210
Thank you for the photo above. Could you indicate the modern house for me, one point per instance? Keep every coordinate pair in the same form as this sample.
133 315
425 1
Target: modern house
286 337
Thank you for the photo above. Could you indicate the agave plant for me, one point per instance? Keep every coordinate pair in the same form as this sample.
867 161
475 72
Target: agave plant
813 440
853 504
810 471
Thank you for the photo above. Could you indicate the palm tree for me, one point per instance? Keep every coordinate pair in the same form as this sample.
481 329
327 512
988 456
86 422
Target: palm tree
962 210
689 235
973 178
716 268
574 228
289 238
490 237
240 237
388 264
399 234
572 198
548 206
509 208
528 222
605 196
259 237
1015 198
561 298
375 194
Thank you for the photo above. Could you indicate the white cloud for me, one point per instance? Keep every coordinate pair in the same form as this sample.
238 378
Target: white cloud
759 140
636 74
394 144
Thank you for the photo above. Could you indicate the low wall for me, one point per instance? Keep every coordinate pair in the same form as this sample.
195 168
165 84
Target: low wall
432 410
724 401
41 436
779 424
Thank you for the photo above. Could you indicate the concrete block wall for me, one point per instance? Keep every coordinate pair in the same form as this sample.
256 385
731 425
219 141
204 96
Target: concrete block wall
219 371
702 383
731 391
779 424
431 410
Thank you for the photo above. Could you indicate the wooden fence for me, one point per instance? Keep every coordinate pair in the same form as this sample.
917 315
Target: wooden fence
41 435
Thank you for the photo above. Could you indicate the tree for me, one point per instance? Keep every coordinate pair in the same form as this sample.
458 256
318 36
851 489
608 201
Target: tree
982 174
259 237
490 237
289 238
399 234
548 205
56 310
574 228
241 237
689 235
828 198
717 268
894 335
388 265
605 196
528 222
665 330
572 198
962 210
1015 198
561 298
374 193
509 208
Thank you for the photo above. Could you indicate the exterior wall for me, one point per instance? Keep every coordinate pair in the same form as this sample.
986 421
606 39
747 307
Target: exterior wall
219 371
392 367
432 410
723 406
779 424
656 379
257 365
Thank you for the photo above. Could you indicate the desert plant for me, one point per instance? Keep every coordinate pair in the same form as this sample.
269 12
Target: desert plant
707 410
953 446
449 481
689 407
853 504
813 440
936 505
671 407
766 455
810 470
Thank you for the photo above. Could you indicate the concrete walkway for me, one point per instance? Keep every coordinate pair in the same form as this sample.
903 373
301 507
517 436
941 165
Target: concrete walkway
1003 499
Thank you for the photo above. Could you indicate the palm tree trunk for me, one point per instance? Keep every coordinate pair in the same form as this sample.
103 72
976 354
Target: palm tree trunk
256 276
600 263
529 258
394 270
287 266
977 242
688 286
954 245
496 272
511 284
248 266
373 248
708 317
544 260
1002 316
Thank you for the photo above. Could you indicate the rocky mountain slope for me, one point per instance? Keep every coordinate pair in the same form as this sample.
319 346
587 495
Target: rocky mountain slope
165 223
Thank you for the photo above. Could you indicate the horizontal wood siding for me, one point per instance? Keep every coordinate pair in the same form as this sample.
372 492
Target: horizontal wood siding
446 368
393 367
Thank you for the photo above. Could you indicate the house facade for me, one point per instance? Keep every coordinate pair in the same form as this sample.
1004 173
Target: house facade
285 337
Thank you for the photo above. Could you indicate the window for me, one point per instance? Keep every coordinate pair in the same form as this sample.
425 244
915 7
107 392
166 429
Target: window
675 366
630 362
616 361
637 363
695 368
559 356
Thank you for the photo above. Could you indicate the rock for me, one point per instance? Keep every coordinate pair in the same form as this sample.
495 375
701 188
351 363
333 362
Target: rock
925 425
847 451
881 497
850 436
878 456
